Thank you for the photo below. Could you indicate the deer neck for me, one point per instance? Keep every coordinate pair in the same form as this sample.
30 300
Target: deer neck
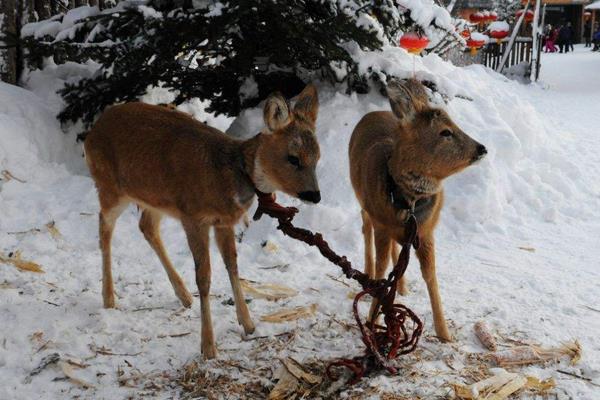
407 189
252 167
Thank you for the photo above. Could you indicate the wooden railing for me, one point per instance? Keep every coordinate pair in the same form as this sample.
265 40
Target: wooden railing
521 51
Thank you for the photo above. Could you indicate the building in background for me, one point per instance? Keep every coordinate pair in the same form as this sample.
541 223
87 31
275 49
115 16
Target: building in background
464 8
559 12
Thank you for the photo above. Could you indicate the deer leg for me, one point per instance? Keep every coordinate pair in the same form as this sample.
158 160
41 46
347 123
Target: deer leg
225 237
149 225
402 285
367 231
197 235
426 256
109 212
382 259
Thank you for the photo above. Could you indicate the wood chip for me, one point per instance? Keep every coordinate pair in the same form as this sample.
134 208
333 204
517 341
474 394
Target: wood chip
269 291
69 370
485 336
7 176
108 352
290 314
23 265
294 381
54 232
296 369
531 354
286 387
539 386
529 249
173 335
511 387
496 387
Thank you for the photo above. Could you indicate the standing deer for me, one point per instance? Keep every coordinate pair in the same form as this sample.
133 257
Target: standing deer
398 161
168 163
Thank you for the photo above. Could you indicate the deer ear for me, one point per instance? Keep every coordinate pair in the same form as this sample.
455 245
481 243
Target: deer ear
406 99
307 104
276 113
419 95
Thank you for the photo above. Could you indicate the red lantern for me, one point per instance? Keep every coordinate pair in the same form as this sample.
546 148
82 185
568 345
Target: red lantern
528 15
486 16
476 17
476 41
466 33
499 30
413 42
493 16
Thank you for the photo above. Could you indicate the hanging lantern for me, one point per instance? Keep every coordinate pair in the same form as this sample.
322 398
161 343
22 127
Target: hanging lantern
413 42
528 15
486 16
499 30
476 17
493 16
476 41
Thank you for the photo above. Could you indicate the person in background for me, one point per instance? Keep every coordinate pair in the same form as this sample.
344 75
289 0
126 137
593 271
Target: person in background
596 38
550 36
564 38
587 33
571 36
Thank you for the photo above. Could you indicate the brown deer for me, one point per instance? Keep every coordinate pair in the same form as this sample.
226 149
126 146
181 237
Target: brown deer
168 163
398 161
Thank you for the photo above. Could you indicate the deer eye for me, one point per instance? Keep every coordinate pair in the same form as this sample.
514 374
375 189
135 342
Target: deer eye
295 161
446 133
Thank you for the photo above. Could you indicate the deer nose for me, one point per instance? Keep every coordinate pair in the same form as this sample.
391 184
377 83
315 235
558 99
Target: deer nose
481 150
312 196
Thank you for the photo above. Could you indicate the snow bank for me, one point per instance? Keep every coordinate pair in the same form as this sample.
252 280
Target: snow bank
30 135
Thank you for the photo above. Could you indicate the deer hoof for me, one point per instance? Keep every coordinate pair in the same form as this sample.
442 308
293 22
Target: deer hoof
249 328
109 302
186 299
209 352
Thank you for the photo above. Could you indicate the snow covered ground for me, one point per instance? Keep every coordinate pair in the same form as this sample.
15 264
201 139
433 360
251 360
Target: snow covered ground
517 247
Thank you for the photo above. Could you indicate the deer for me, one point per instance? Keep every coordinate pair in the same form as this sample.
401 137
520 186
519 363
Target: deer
167 163
398 161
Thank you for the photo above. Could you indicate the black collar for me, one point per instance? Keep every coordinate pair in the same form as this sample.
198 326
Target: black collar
400 201
397 198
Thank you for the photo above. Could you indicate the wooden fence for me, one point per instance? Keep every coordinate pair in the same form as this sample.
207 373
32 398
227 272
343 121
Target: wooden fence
521 51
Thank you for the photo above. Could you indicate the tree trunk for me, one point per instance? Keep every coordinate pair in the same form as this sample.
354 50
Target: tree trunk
28 13
43 9
8 56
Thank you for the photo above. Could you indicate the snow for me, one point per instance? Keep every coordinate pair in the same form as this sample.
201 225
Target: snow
480 37
423 12
65 28
537 189
149 12
499 26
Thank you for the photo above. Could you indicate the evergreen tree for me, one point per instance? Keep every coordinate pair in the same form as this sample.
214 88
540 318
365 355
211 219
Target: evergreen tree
232 53
507 9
